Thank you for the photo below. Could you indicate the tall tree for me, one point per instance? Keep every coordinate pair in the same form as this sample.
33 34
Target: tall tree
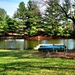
3 23
33 17
52 17
21 14
67 9
21 11
3 13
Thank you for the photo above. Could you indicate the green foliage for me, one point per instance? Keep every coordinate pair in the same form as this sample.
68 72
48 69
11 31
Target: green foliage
12 25
3 27
55 21
32 32
3 14
33 18
21 15
49 31
3 23
54 15
21 11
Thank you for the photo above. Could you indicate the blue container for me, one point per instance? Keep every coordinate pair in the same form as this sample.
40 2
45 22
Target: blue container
51 47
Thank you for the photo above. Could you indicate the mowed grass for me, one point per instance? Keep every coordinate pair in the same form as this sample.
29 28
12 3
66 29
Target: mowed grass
31 62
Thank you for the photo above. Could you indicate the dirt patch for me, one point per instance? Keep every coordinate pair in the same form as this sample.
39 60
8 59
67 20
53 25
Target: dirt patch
71 55
42 37
55 55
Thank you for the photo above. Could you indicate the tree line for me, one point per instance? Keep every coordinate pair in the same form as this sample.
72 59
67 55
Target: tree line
51 18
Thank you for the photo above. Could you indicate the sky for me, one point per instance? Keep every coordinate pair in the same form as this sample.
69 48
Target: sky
11 6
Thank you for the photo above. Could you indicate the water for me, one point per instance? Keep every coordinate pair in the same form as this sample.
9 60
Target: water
25 44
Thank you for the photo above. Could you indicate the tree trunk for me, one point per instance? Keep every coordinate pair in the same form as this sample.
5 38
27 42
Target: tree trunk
73 24
73 27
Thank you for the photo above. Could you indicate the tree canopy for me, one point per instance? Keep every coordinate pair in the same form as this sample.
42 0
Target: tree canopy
54 17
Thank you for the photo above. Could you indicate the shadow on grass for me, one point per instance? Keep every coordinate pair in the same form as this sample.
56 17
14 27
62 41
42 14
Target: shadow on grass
29 66
15 53
22 54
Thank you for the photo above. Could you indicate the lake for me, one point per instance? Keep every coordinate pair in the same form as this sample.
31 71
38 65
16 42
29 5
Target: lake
22 44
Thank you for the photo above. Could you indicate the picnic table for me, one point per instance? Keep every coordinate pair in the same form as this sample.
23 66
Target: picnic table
52 47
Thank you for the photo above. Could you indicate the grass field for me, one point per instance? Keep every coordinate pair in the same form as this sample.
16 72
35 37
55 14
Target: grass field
30 62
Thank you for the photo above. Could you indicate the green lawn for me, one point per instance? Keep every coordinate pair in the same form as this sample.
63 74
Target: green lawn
30 62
